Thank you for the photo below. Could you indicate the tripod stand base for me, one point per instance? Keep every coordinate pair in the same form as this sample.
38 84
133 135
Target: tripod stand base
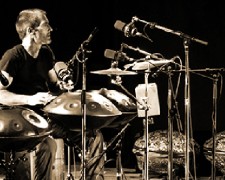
70 177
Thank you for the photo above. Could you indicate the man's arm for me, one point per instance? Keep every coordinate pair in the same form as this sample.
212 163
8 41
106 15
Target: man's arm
12 99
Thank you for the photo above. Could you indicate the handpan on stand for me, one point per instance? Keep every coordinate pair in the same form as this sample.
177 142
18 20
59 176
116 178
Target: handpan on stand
20 129
66 109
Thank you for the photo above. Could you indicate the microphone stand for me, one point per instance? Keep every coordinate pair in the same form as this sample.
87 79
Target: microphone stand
83 52
145 122
214 126
84 111
170 128
186 41
187 108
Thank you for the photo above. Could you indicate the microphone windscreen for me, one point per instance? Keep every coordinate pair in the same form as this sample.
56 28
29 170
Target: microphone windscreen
119 25
109 53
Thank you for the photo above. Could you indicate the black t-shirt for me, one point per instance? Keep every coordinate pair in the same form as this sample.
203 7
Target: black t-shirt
30 75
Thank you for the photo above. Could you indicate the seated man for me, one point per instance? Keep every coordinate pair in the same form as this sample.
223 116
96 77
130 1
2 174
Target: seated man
28 78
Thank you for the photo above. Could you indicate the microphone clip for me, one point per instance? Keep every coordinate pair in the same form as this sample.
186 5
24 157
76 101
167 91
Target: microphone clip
130 30
116 79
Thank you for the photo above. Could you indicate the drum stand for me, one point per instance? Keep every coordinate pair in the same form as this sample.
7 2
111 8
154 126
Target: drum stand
9 164
119 173
69 174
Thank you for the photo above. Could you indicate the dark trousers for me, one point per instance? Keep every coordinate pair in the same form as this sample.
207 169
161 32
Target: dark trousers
40 167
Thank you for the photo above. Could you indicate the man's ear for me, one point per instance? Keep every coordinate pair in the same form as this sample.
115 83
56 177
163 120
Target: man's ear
29 30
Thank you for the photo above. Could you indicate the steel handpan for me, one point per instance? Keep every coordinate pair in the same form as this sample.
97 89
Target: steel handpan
124 103
120 100
21 129
67 110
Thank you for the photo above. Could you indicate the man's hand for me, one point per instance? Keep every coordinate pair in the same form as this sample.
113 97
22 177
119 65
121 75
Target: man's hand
40 98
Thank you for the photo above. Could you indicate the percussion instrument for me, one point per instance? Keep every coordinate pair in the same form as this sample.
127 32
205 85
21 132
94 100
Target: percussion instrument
113 71
125 104
67 110
219 151
145 65
158 150
21 129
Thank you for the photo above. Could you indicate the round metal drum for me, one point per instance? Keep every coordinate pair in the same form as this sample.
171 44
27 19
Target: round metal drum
124 103
67 109
21 128
219 151
158 150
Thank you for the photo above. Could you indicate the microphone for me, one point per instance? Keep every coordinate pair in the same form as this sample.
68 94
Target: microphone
90 37
63 71
4 81
129 29
141 51
117 55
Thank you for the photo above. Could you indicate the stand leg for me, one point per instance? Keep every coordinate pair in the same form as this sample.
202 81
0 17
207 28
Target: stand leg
59 164
9 164
69 174
170 130
119 173
214 128
146 157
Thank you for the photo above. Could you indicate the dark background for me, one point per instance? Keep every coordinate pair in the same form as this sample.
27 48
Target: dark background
73 21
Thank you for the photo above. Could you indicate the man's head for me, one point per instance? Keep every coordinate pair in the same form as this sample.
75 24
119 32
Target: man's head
34 22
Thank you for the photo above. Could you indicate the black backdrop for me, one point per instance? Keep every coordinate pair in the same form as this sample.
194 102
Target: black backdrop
73 21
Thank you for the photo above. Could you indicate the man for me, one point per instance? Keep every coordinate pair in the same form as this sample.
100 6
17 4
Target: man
28 77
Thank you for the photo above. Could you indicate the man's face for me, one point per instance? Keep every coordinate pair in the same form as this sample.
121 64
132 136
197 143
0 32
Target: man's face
43 32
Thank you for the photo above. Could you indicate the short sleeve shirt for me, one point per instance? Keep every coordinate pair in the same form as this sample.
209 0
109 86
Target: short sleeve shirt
30 75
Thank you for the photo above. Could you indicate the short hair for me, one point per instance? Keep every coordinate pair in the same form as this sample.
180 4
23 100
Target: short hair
28 18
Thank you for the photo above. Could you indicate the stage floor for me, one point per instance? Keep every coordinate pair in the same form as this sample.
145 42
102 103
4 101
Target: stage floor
111 174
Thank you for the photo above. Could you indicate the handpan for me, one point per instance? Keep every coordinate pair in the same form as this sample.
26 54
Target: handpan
21 129
219 151
67 110
124 103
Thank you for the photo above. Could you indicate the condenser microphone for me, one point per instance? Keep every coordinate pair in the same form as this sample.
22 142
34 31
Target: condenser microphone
90 37
129 30
137 49
63 71
117 55
4 81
